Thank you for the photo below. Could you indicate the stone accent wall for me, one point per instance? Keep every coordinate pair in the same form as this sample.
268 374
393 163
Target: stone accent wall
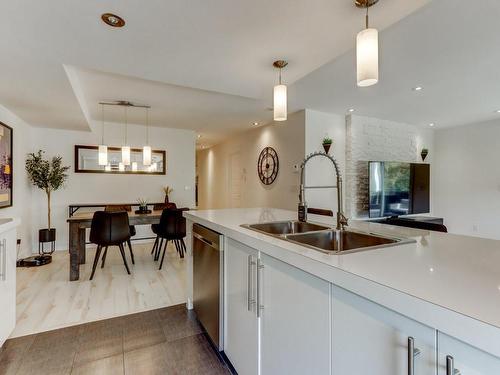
371 139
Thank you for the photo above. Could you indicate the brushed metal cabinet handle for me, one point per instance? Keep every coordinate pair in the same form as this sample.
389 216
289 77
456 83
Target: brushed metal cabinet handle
450 366
412 353
250 299
260 305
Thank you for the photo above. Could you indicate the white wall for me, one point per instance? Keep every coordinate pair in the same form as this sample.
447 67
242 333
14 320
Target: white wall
320 171
99 188
356 140
214 167
466 179
371 139
22 191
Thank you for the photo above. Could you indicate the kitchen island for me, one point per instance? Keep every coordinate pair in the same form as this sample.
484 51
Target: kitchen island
431 306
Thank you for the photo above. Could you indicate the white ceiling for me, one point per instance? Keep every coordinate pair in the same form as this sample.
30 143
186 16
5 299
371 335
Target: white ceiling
214 115
221 47
449 47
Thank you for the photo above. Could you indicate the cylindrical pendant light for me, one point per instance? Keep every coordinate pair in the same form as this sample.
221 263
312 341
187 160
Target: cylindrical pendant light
103 155
126 155
280 99
367 51
146 151
103 149
125 147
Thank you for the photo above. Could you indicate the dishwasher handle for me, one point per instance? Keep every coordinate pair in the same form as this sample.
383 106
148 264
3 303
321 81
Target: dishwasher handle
205 241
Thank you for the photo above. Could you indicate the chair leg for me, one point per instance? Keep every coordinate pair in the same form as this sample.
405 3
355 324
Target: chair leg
131 252
177 246
158 250
180 249
104 256
122 251
183 247
154 245
163 256
96 260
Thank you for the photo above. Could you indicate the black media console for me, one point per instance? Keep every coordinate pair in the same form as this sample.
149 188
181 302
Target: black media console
419 222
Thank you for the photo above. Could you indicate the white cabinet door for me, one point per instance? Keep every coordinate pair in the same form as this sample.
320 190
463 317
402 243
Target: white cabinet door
7 284
464 358
295 320
241 327
371 339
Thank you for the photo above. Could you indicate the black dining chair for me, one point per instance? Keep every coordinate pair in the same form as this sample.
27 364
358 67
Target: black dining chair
154 227
172 228
127 208
109 229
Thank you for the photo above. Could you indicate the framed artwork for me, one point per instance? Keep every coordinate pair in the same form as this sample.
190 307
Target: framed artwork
6 168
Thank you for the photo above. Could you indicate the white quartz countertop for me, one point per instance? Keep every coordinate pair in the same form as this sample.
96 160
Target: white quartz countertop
454 273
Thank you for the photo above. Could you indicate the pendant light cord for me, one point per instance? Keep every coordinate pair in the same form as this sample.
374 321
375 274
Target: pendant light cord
126 126
147 126
102 127
280 76
366 17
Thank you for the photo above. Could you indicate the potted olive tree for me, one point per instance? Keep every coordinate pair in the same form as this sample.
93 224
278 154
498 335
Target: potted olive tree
48 175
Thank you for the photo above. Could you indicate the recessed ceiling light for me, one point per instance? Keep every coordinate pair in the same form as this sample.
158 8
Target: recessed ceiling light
418 88
255 123
113 20
497 111
431 124
351 110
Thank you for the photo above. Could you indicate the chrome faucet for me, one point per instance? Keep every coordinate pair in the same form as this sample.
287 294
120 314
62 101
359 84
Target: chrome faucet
342 220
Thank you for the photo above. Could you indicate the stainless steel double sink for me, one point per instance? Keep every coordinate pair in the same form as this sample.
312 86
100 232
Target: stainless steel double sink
325 239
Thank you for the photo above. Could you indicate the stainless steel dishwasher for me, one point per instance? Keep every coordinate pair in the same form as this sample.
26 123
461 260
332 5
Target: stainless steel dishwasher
208 282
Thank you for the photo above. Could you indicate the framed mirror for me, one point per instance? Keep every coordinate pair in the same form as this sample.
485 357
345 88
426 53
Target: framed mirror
87 161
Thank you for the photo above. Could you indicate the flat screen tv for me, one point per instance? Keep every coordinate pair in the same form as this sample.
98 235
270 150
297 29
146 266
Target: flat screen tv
398 188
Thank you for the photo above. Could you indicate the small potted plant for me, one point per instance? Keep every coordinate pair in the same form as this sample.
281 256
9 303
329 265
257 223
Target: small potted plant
143 206
49 175
327 143
424 153
167 190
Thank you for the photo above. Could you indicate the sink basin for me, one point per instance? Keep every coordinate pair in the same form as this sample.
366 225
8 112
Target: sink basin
278 228
324 238
333 241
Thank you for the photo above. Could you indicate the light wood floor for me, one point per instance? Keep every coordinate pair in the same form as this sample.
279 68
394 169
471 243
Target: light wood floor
47 300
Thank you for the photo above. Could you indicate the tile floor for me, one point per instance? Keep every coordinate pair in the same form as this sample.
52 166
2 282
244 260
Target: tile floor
162 341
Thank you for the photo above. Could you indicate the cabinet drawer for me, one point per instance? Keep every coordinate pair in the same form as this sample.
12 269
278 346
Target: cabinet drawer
371 339
465 358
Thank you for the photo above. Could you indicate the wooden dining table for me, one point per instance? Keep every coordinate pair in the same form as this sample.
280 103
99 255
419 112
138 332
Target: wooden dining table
78 223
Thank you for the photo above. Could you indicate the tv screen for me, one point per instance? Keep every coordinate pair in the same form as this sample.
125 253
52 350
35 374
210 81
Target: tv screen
398 188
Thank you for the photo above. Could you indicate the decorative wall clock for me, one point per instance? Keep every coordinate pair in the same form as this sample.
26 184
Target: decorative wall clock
268 165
